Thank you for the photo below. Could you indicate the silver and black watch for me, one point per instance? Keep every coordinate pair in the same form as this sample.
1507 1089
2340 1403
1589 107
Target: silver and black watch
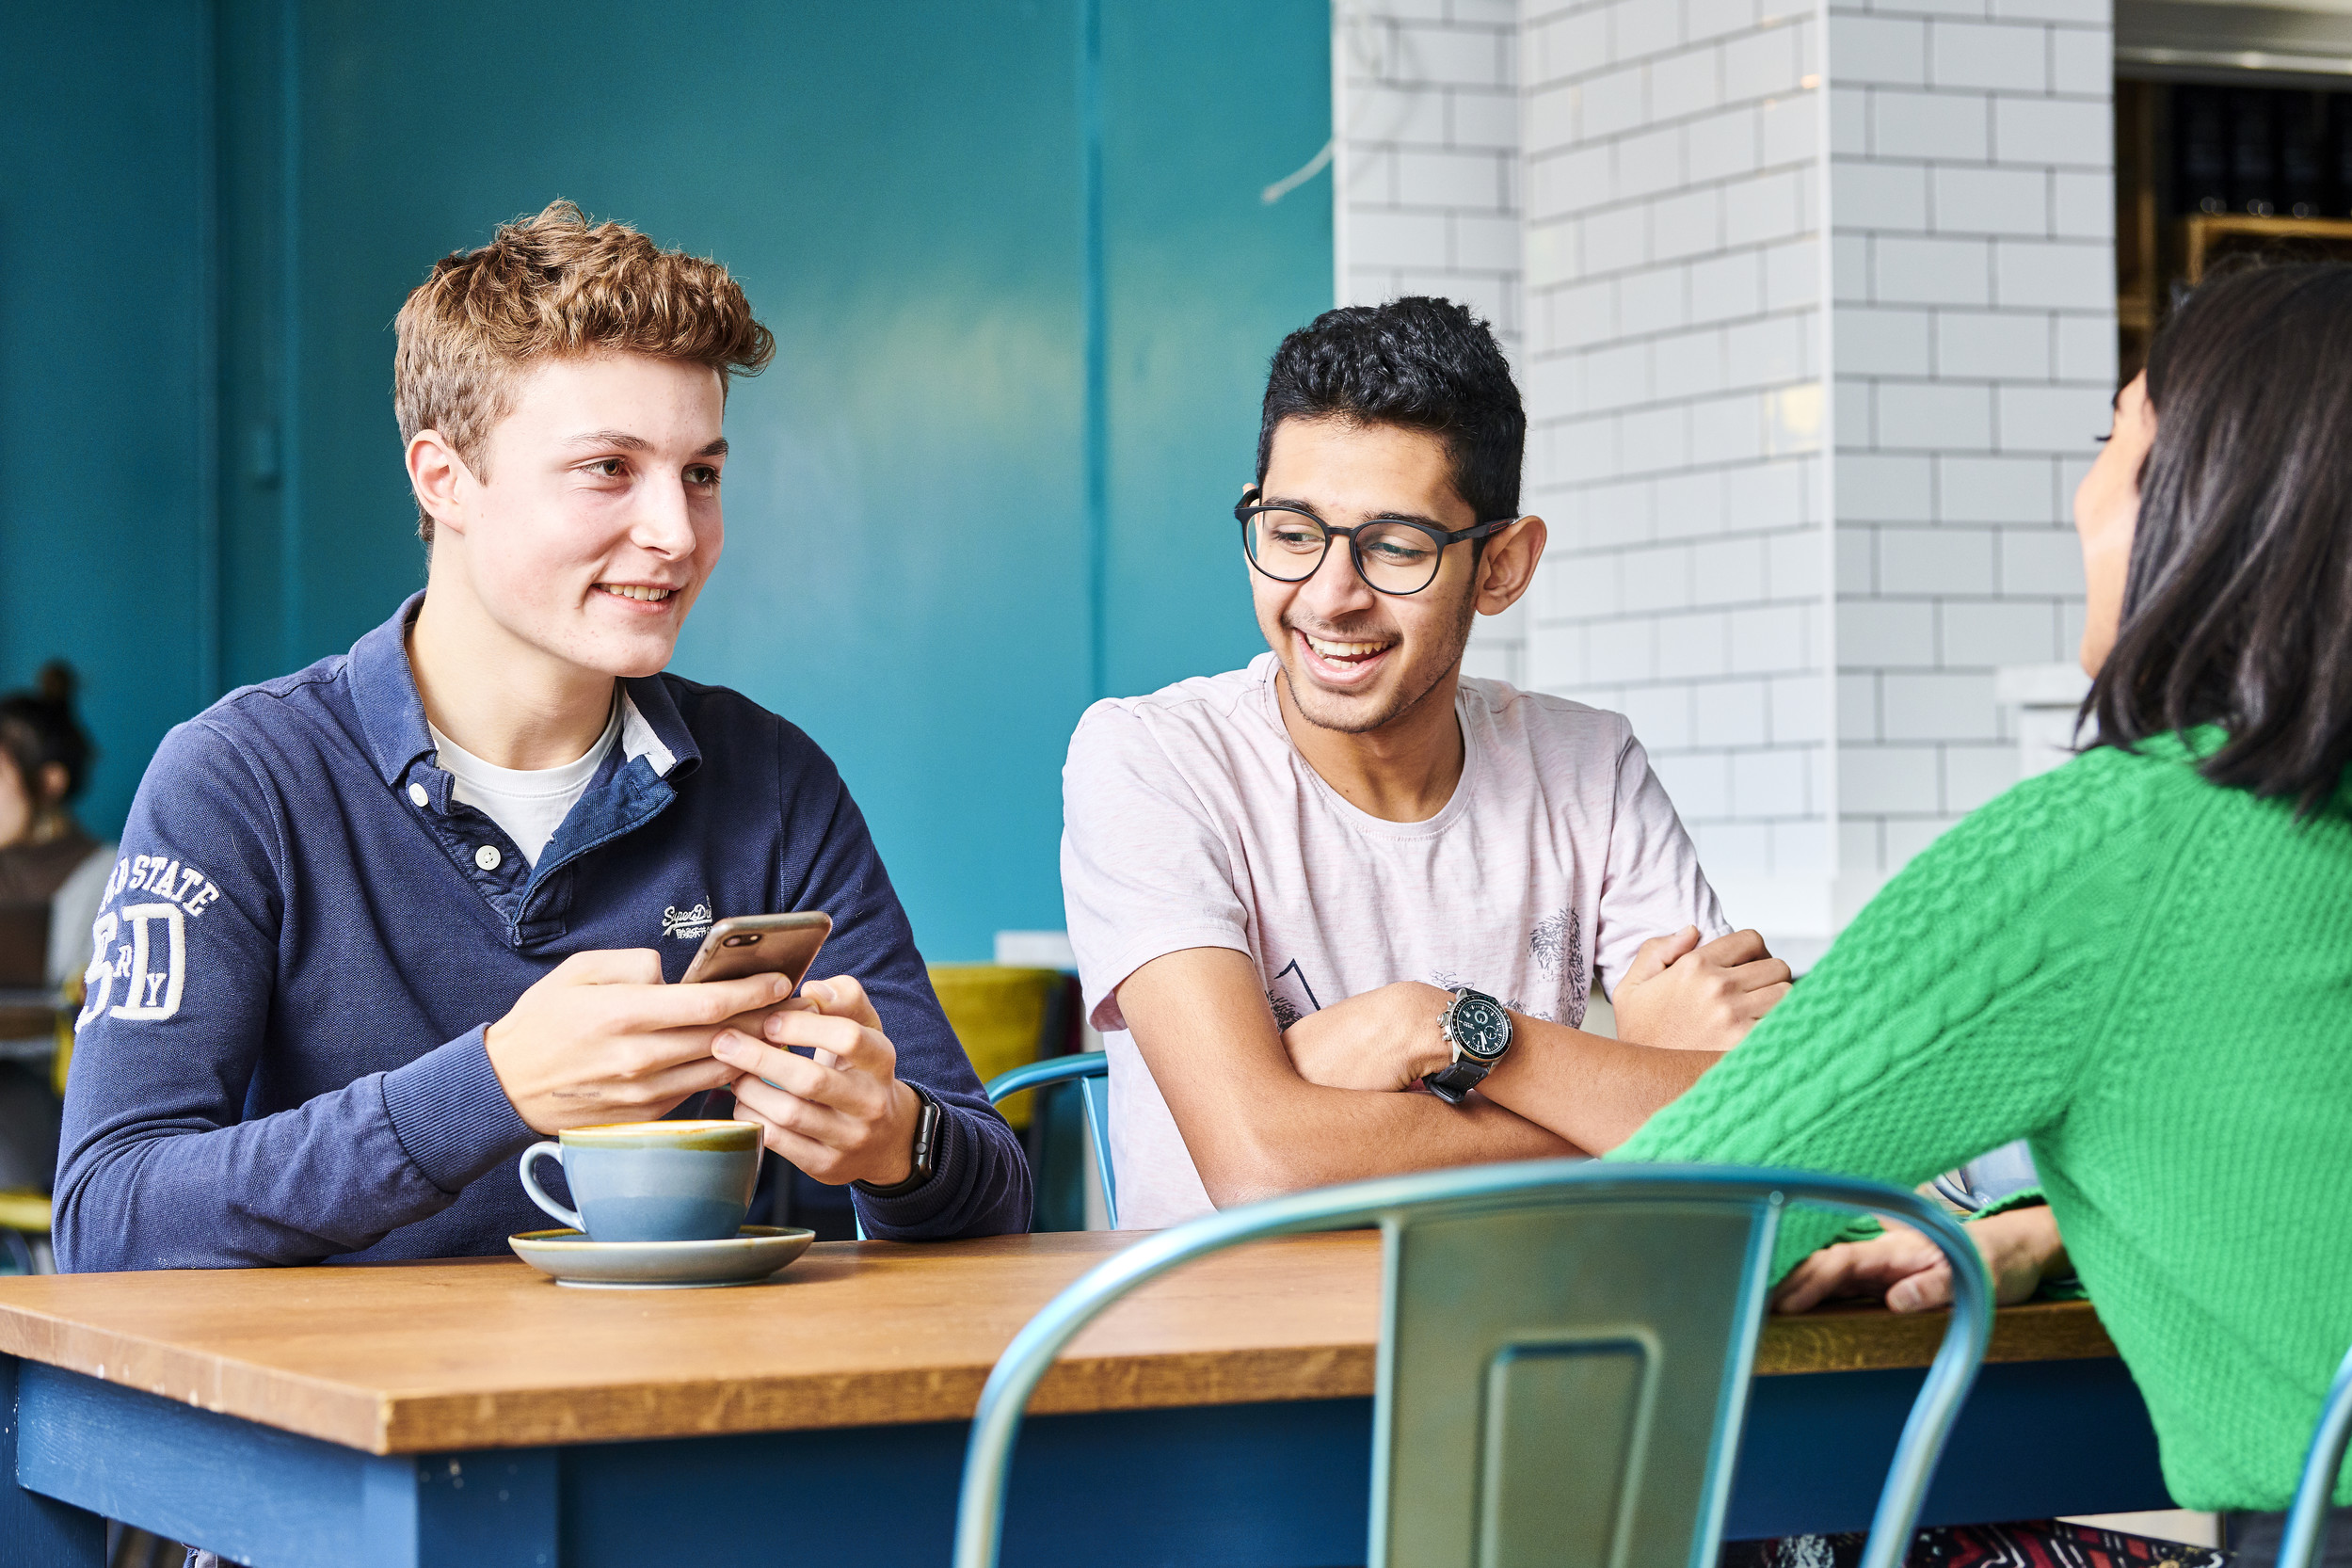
925 1154
1478 1029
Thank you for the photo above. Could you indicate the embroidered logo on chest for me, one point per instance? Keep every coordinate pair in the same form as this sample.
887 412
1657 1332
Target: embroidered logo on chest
687 925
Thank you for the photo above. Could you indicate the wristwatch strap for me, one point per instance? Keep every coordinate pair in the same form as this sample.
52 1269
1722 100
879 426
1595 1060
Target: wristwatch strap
1453 1083
926 1151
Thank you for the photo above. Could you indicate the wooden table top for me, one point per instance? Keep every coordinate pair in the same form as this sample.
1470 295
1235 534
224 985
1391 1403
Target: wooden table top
486 1353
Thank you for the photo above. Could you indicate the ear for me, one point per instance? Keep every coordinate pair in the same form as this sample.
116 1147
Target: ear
51 783
439 477
1507 565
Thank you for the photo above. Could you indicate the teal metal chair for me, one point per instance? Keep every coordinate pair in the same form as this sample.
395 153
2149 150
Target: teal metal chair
2306 1525
1565 1357
1092 1071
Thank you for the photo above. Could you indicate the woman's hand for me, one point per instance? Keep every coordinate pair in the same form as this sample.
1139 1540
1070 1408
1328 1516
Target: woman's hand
2021 1249
841 1115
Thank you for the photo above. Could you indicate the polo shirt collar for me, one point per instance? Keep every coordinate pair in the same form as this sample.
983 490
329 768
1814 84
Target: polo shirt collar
391 713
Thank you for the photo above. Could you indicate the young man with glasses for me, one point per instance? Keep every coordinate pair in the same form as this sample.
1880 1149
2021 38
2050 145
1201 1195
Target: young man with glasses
1348 871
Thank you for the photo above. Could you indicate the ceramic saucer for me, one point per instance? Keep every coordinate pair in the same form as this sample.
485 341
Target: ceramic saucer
749 1255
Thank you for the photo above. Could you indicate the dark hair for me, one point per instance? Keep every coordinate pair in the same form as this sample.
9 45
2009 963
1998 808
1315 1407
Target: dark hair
38 728
2237 605
1422 363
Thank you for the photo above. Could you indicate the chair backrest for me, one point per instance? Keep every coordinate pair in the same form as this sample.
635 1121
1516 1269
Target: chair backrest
1092 1070
1565 1350
2305 1527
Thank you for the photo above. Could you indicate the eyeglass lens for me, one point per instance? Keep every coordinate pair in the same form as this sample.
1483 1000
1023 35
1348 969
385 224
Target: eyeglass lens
1394 557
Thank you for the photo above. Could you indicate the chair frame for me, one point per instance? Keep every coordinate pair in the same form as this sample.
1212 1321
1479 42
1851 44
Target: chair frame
2306 1525
1388 1201
1093 1069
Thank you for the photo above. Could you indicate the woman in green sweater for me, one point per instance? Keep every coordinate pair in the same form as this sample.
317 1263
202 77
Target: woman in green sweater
2140 963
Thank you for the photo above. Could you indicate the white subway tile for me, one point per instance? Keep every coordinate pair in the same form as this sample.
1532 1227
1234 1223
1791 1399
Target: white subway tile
1372 177
1616 240
1938 706
1495 13
2052 419
1550 257
1766 352
2087 11
2087 349
1553 114
1761 64
1553 386
1857 556
1884 487
1585 450
1556 658
2083 205
1727 429
1655 580
1766 207
1610 104
2070 618
1697 783
1792 273
1930 7
1684 83
1795 564
1727 571
1881 341
1793 709
1768 641
1485 244
2041 561
1660 716
1927 271
1926 562
1571 44
1924 417
1927 125
1723 288
1735 848
1621 649
1884 634
2009 56
1651 301
1488 119
1877 195
1886 778
1692 223
1768 783
2056 275
1881 51
1994 490
1801 848
2082 59
1986 635
1575 180
1860 852
1581 315
1689 364
1643 28
2052 130
1381 112
1690 504
1975 774
1489 297
1793 419
1790 130
1991 201
1399 239
1457 56
1690 645
1652 441
1992 344
1857 705
1857 418
1706 19
1458 180
1774 495
1850 121
1649 162
1722 145
1907 836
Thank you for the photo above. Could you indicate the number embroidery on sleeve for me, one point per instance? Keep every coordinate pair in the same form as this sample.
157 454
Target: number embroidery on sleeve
151 991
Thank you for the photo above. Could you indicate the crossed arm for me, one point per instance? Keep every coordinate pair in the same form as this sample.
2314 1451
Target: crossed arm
1265 1110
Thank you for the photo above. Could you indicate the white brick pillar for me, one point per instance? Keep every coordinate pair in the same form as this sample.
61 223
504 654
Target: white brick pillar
1804 503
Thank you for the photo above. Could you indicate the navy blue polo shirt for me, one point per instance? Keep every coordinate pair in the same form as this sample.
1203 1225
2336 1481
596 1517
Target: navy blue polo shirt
281 1059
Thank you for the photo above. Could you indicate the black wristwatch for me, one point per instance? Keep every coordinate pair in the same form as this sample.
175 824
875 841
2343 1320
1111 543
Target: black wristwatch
926 1150
1478 1030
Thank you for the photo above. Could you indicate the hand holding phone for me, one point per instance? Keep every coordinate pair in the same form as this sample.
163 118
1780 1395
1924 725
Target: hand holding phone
743 945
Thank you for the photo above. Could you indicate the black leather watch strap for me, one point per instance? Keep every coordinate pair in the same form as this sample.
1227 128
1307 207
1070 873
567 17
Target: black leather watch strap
926 1151
1453 1083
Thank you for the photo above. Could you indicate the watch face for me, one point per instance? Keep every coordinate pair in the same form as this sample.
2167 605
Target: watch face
1481 1027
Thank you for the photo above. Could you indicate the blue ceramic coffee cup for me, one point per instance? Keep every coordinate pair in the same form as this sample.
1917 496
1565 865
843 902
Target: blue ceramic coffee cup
653 1181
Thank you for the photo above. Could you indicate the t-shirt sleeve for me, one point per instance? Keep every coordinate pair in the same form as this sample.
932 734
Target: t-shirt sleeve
1651 885
1144 870
1961 1011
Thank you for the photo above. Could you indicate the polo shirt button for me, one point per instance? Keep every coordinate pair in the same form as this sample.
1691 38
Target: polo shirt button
416 793
487 857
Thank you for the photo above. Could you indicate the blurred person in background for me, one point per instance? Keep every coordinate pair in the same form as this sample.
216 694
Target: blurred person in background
53 875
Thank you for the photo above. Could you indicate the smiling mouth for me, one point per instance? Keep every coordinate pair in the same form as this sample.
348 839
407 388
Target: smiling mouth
1342 659
645 592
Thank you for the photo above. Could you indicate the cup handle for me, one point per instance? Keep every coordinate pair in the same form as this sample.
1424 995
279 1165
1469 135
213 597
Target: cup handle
538 1195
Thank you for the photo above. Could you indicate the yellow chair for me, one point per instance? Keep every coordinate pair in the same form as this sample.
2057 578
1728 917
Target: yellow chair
1000 1014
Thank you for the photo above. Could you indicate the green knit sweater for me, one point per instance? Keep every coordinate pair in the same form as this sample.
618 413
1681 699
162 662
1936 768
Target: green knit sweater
2150 978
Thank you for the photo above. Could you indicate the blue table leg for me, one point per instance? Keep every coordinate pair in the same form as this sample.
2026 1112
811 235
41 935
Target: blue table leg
38 1531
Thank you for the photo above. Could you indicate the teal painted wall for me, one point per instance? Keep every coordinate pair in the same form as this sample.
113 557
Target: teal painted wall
945 534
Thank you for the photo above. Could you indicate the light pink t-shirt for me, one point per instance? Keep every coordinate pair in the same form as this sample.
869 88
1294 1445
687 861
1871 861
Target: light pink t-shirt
1190 821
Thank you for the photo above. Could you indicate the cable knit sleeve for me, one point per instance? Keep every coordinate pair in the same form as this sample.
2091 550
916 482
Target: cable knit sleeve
1963 1008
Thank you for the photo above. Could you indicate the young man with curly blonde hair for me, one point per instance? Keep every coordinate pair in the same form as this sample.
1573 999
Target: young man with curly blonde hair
381 923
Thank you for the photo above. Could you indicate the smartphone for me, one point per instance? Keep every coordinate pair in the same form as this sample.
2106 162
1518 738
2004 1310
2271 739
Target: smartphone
743 945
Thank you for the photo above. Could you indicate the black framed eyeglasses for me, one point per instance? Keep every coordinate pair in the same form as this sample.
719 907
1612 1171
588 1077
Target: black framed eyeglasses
1392 556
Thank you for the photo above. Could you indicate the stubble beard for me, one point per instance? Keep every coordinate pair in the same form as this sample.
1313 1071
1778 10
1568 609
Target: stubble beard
1308 697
